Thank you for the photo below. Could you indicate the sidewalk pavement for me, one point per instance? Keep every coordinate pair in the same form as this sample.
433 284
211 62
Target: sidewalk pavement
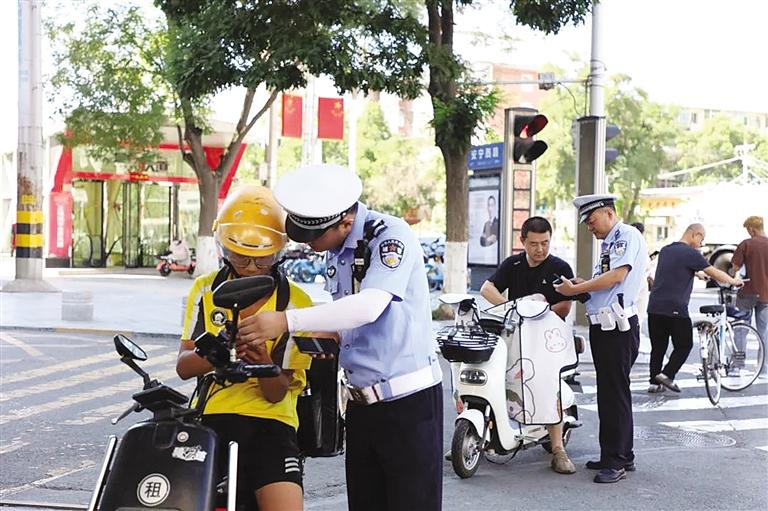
135 302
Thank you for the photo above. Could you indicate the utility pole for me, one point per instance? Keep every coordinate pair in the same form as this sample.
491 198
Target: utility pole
272 146
29 194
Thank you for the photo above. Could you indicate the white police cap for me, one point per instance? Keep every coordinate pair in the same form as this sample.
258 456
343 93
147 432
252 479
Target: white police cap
586 204
316 197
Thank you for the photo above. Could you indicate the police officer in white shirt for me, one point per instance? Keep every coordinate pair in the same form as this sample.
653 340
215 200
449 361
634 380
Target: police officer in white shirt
614 331
381 308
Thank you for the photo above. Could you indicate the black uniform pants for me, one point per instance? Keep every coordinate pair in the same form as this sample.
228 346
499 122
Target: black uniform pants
394 453
613 353
660 329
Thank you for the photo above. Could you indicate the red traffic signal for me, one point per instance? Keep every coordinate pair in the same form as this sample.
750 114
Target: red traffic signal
525 127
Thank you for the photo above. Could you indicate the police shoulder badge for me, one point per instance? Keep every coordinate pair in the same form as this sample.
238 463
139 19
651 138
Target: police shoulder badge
620 247
218 317
391 253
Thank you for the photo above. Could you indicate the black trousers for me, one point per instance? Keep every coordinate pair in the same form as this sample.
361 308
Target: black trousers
613 353
660 329
394 453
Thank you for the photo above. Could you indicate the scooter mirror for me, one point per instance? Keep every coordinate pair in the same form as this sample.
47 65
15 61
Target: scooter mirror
127 348
242 292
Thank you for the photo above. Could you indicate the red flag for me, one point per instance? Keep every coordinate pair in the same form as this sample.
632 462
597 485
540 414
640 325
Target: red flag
330 118
292 114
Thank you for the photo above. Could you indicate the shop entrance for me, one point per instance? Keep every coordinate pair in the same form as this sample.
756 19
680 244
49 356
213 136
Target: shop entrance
122 223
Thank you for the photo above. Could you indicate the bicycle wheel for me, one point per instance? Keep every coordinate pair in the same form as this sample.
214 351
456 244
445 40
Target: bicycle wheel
711 365
742 356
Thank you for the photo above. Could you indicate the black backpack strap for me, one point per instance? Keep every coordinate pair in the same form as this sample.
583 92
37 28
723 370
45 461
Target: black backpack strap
362 259
281 303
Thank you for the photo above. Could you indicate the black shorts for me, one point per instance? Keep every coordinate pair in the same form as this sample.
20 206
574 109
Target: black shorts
268 451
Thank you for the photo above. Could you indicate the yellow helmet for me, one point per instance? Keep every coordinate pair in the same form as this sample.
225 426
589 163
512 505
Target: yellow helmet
250 222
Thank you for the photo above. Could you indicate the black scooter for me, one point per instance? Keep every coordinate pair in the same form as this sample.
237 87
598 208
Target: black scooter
171 460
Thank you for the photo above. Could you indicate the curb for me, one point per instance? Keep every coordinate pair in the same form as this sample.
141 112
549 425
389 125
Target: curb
94 331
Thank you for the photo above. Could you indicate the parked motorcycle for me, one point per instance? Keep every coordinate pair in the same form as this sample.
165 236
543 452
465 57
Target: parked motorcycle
508 370
307 269
434 254
171 460
167 265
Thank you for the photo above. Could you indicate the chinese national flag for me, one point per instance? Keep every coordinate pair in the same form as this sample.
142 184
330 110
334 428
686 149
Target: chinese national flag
292 114
330 118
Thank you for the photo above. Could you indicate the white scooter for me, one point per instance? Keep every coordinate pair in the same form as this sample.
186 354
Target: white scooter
495 362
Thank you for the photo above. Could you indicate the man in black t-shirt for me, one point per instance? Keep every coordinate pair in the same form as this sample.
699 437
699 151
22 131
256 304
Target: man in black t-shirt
531 273
668 305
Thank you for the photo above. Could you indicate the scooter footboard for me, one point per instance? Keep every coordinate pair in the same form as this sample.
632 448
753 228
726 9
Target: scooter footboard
163 465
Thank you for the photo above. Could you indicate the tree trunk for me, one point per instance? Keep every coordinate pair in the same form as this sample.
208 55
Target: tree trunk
629 213
457 197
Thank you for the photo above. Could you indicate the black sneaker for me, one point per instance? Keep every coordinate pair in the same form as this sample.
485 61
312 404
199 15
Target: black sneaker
610 475
667 382
598 465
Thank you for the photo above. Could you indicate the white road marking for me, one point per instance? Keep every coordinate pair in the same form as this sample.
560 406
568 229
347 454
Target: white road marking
70 381
763 447
718 426
29 350
13 446
111 411
55 474
71 364
132 384
693 403
684 383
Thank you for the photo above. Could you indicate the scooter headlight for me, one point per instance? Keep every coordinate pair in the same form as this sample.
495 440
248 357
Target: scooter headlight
473 376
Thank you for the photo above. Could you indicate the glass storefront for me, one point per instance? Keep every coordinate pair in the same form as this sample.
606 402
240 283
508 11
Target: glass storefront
119 223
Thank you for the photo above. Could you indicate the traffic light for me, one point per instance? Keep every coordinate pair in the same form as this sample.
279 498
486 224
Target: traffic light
611 131
611 153
527 123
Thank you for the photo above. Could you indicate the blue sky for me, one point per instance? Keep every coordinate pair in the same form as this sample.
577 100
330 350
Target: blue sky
700 53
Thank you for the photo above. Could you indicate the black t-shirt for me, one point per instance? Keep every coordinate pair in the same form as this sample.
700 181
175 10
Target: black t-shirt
673 282
522 280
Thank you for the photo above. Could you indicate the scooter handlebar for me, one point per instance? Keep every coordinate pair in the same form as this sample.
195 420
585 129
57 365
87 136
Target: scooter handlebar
261 370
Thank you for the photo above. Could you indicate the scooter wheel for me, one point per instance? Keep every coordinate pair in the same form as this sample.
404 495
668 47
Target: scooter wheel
466 448
191 270
165 270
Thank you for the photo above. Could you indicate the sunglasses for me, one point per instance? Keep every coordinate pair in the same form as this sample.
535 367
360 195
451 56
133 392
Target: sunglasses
242 261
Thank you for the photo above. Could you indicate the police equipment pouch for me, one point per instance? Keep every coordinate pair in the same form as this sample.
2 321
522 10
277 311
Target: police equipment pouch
362 254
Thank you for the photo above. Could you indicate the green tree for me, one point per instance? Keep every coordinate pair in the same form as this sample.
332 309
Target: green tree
460 107
646 143
110 88
207 47
716 141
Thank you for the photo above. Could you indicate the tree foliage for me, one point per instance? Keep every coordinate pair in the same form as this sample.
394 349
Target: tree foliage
645 144
110 88
718 139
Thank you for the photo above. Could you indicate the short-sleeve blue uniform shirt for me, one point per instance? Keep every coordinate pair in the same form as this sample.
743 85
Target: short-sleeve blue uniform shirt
624 246
400 341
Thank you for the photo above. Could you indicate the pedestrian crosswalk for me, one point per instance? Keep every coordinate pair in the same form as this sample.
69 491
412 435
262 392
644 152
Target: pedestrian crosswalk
743 415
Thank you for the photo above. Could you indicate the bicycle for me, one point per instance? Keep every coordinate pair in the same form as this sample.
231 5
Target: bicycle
732 351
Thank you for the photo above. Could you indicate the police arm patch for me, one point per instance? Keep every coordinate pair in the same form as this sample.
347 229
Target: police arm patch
391 253
620 247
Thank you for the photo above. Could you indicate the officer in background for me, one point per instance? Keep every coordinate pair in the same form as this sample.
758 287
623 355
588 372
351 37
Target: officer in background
394 418
614 332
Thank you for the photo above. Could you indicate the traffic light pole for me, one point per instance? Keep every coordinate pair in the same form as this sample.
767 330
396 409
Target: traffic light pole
590 154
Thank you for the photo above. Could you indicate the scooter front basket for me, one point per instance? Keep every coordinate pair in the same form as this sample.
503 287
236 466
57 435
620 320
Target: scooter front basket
468 344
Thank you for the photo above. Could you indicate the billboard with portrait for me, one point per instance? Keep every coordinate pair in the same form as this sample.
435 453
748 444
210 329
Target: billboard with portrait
484 226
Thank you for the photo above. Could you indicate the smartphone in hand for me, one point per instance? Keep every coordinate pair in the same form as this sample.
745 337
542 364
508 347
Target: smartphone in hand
317 345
